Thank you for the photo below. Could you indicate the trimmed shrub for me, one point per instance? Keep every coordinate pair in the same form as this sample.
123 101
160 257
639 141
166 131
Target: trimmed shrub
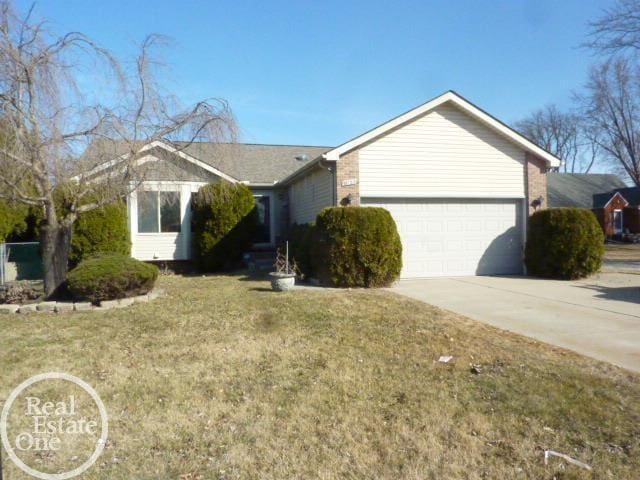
564 243
13 219
302 239
103 230
224 224
111 276
357 247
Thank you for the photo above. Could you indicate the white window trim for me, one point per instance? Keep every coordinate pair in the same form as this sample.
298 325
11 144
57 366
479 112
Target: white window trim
177 190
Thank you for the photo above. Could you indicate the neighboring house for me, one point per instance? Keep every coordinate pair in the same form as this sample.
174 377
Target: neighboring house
459 184
616 206
620 211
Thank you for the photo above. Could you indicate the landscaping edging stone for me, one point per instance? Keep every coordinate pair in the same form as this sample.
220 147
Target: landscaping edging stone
9 308
60 307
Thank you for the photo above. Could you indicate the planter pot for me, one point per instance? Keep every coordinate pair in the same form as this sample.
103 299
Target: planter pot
281 282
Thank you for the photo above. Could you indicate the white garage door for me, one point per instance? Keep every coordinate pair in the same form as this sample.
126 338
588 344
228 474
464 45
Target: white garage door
451 237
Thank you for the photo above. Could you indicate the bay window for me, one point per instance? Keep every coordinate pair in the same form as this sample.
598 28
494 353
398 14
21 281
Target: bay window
158 212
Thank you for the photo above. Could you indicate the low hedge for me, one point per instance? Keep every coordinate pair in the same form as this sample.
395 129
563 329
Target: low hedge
111 276
302 239
225 219
564 243
357 247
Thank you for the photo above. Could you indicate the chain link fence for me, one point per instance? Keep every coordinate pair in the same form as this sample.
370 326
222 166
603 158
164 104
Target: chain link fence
20 261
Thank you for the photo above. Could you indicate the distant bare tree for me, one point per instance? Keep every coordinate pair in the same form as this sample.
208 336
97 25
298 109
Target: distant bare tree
61 94
562 134
611 106
618 29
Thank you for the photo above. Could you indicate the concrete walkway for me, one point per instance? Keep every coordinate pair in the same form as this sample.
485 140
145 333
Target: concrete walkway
598 317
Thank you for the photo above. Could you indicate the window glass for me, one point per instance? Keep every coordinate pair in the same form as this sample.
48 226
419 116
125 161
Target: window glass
148 212
169 211
263 234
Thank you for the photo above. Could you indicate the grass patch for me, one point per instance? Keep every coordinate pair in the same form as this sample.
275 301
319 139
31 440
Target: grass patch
222 379
622 252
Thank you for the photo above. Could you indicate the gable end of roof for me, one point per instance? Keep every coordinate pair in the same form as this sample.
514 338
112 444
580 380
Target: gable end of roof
460 102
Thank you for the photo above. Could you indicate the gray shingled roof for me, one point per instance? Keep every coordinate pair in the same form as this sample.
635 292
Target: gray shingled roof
253 162
581 189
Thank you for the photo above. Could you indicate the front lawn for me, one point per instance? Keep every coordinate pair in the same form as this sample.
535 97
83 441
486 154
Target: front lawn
224 379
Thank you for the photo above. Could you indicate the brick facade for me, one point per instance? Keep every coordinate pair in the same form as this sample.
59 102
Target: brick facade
348 179
536 182
631 217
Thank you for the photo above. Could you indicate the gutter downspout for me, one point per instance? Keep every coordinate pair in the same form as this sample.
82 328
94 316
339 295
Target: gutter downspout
334 189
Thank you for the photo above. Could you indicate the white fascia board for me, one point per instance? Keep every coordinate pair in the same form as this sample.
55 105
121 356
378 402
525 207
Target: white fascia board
189 158
617 194
260 184
146 158
430 105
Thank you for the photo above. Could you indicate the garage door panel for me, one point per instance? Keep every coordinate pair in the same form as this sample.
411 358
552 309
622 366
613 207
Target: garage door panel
449 237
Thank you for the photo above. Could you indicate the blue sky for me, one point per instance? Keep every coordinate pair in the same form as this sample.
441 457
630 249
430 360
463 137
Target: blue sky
321 72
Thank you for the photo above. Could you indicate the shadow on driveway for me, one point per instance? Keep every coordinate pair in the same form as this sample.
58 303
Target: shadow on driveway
620 294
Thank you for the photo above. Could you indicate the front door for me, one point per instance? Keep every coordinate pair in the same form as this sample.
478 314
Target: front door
617 221
263 205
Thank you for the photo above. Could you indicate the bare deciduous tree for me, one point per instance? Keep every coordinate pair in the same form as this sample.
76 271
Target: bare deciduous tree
611 105
618 29
561 134
61 95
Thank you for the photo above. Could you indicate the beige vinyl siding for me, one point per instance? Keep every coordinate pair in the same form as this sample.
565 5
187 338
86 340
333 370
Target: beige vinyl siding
310 194
163 246
160 246
445 153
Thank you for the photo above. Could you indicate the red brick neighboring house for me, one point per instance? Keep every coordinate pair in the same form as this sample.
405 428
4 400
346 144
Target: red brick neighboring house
609 208
616 206
620 211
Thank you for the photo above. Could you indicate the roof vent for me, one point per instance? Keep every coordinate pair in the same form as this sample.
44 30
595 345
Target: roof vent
302 158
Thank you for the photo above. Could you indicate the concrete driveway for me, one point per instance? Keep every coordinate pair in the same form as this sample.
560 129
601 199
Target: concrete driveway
598 317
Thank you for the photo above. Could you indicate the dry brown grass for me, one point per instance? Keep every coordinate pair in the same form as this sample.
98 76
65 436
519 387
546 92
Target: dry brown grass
225 379
622 251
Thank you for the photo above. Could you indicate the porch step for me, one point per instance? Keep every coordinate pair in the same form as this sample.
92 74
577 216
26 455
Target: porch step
260 261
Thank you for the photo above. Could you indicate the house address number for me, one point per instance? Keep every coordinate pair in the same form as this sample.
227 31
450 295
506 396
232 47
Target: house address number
349 181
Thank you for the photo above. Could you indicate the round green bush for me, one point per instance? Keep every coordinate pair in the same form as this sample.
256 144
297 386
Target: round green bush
103 230
111 276
224 224
357 247
564 243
